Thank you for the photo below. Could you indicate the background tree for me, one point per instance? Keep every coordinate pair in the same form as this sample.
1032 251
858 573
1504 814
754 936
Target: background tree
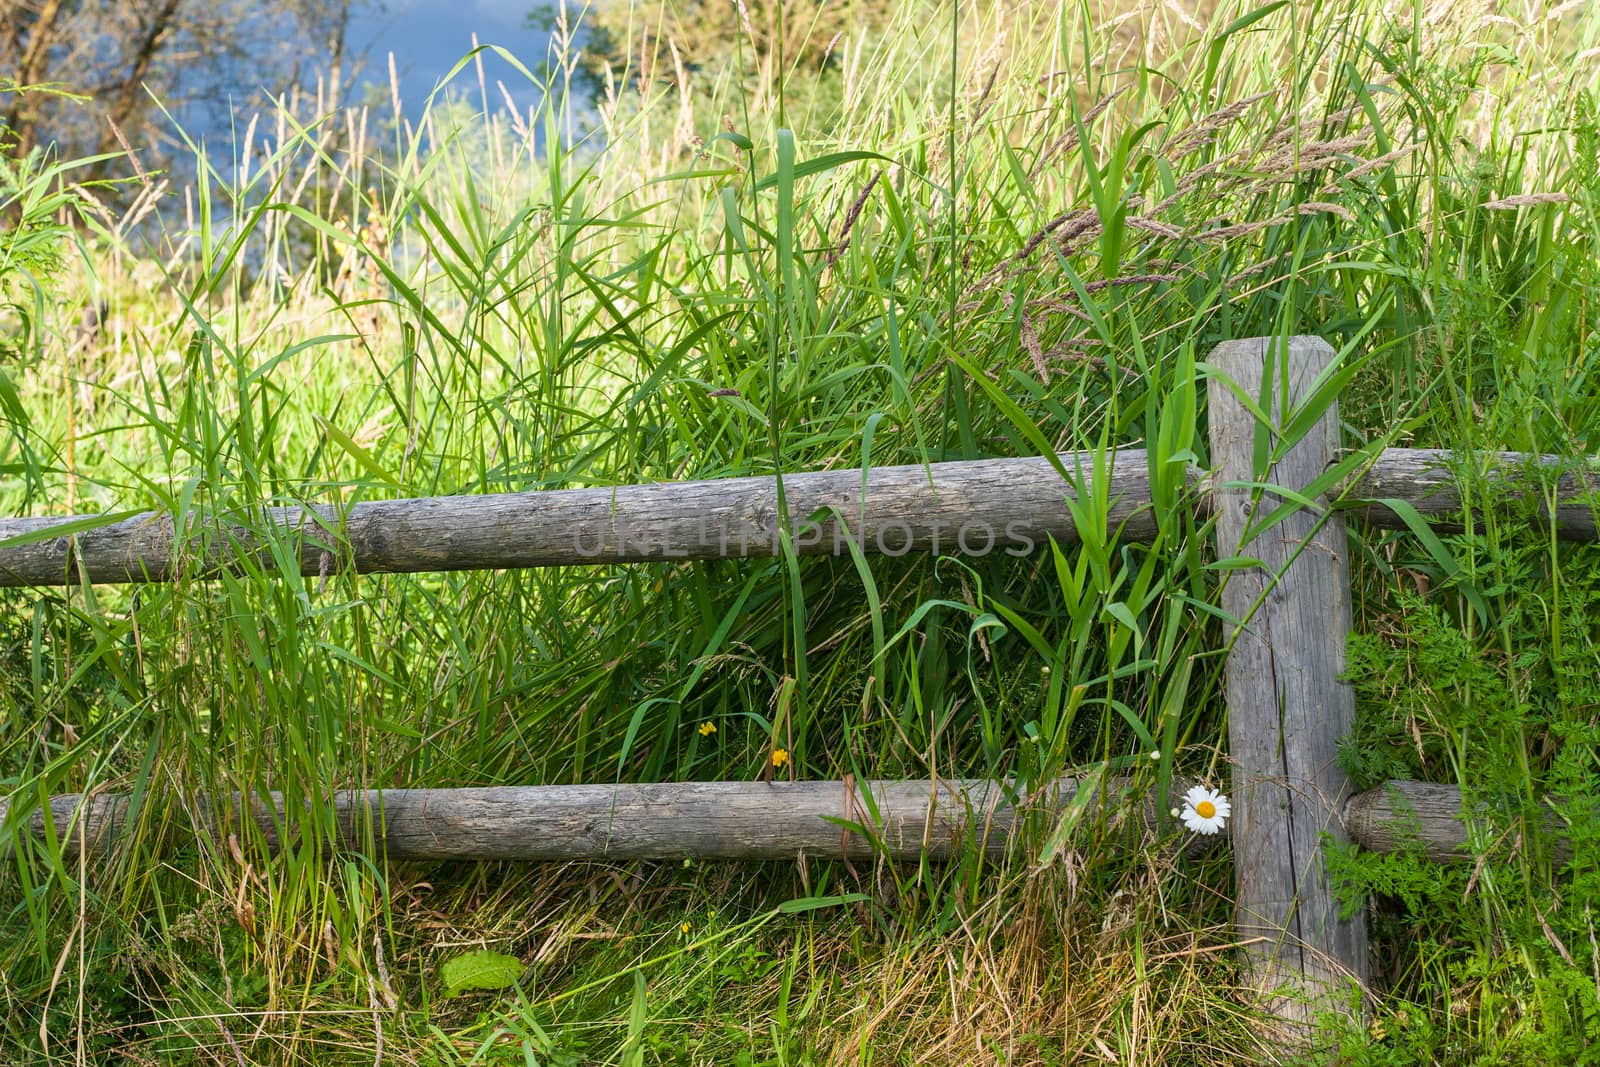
121 56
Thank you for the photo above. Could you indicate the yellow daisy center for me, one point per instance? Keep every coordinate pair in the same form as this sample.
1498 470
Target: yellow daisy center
1205 809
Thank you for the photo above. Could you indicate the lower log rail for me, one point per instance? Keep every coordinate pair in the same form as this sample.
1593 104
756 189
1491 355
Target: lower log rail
720 820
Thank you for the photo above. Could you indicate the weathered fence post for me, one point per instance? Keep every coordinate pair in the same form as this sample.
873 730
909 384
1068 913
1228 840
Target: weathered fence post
1287 708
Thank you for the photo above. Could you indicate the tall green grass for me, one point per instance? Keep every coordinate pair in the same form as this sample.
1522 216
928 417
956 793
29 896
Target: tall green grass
1020 229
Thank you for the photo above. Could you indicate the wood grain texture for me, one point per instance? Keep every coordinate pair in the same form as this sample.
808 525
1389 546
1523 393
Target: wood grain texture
725 820
967 507
1402 815
1566 492
1287 708
703 820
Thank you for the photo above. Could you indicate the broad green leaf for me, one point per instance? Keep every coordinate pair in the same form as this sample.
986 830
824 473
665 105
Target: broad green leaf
804 904
479 970
817 165
359 454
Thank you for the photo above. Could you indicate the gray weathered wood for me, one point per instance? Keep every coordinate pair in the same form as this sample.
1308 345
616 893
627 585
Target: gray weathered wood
1399 815
1020 502
707 820
727 820
967 507
1287 708
1422 477
1402 816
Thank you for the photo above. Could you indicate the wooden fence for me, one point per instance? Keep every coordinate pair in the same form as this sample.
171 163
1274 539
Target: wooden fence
1287 708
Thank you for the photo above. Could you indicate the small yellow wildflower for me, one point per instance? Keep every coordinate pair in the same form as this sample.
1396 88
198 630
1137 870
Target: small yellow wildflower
707 729
685 927
780 756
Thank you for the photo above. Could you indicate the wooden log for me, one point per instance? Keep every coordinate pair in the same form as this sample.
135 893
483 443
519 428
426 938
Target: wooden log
1566 491
1402 815
967 507
704 820
1405 816
1287 707
720 820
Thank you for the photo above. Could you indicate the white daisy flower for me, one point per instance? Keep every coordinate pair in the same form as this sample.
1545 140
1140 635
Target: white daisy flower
1205 810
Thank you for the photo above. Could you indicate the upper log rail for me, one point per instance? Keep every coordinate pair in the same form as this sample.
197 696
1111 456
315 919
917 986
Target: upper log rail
1426 479
972 507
